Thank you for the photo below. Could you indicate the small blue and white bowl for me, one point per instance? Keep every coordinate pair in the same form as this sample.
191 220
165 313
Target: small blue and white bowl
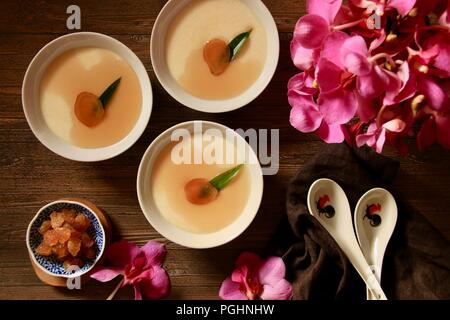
51 265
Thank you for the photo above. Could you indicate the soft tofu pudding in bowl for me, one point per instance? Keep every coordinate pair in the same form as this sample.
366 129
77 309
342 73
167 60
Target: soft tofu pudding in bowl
214 55
199 184
87 97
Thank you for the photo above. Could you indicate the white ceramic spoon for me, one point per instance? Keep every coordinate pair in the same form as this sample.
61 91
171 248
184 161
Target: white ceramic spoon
329 204
375 219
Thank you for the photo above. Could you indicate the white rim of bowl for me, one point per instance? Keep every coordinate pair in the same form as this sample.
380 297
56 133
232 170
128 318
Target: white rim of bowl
194 238
226 105
31 253
60 146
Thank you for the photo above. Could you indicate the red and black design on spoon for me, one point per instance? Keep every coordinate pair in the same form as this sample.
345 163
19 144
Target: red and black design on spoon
324 208
371 214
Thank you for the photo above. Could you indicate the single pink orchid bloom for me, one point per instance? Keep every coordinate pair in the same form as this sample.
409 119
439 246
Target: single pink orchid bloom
379 7
140 267
375 137
351 56
255 279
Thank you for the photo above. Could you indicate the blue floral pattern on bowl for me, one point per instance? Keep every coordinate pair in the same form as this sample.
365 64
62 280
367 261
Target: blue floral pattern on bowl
53 265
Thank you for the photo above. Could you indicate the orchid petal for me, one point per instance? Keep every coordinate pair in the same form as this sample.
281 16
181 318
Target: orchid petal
332 45
105 274
122 253
305 118
302 84
369 137
272 271
378 41
338 106
366 108
310 30
302 57
380 141
328 75
156 286
281 290
434 94
354 56
440 42
327 9
331 133
403 7
297 98
230 290
408 86
374 84
395 125
155 253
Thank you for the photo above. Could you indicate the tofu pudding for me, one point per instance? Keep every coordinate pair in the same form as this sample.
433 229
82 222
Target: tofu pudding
90 70
204 22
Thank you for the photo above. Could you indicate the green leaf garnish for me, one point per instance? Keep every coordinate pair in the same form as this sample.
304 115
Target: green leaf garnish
237 43
223 179
108 93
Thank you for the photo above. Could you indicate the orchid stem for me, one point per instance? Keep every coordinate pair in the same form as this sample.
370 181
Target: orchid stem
111 296
347 25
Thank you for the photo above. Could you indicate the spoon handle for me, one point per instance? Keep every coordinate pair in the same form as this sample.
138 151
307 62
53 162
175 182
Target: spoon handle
352 250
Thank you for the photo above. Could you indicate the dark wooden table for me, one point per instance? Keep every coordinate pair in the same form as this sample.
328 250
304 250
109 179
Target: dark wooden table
31 175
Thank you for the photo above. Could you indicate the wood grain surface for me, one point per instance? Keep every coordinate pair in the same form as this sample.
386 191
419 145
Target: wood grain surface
31 175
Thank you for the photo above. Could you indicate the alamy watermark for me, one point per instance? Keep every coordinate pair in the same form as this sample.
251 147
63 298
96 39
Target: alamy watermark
216 146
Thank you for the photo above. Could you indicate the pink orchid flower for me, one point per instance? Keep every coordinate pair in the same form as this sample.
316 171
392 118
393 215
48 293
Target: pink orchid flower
403 7
346 60
255 278
311 29
375 137
140 267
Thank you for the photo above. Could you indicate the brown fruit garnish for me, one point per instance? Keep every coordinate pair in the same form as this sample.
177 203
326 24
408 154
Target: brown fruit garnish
56 219
51 238
89 109
44 250
74 246
216 54
60 251
200 191
45 226
81 222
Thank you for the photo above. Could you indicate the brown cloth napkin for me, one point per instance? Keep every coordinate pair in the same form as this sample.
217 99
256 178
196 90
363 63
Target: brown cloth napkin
417 259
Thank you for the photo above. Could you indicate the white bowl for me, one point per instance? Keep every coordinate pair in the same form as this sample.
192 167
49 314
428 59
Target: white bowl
158 57
30 96
176 234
